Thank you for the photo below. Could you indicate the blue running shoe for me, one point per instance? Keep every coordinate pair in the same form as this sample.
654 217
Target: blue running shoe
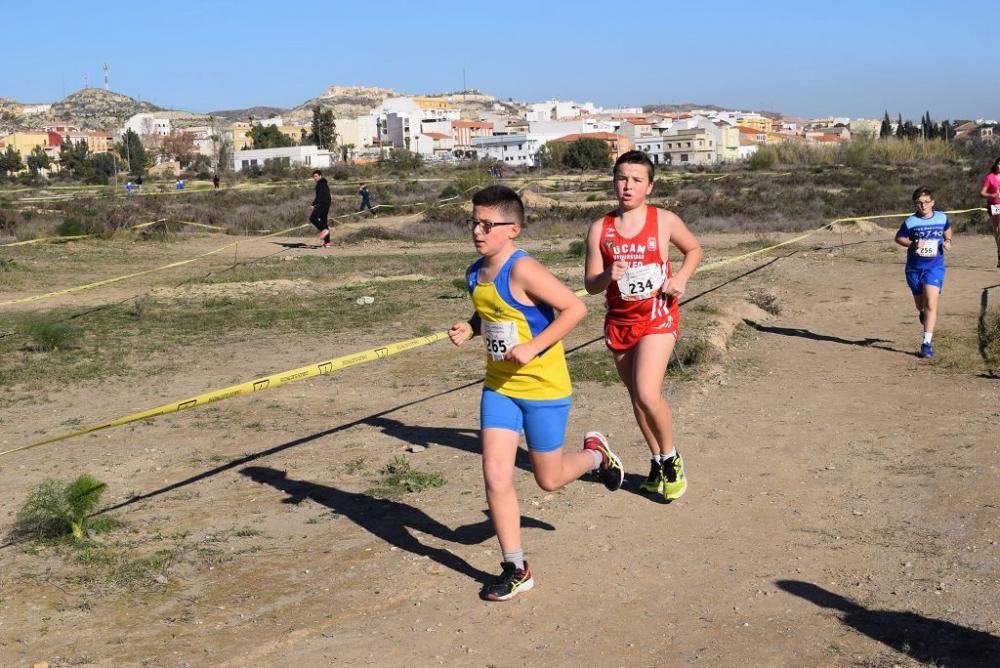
926 351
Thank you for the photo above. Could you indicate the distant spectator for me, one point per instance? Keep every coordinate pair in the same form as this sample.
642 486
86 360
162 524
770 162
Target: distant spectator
138 182
366 200
215 181
991 191
320 208
128 187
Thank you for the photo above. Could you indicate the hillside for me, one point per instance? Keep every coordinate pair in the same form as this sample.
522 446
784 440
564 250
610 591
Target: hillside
688 106
92 109
258 112
345 101
351 101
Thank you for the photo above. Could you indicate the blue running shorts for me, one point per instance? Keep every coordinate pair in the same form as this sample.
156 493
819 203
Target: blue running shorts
543 421
918 278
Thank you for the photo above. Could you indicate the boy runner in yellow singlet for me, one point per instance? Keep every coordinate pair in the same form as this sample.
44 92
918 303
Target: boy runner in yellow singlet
527 386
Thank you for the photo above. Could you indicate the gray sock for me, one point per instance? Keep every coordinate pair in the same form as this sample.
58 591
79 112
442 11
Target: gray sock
516 558
598 458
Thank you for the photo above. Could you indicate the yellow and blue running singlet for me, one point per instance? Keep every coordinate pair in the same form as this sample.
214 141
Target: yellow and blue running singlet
507 323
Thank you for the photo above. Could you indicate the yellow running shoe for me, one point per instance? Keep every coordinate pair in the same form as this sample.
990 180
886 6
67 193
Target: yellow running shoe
674 480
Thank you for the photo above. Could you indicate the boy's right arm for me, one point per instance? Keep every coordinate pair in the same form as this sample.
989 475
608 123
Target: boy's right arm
597 278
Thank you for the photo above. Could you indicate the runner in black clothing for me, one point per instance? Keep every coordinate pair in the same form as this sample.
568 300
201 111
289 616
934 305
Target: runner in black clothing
321 208
366 200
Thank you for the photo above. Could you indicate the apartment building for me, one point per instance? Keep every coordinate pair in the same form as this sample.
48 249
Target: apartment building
307 156
463 133
690 146
617 144
519 149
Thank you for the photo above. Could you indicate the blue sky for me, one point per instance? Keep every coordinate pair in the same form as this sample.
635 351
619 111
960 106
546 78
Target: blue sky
855 58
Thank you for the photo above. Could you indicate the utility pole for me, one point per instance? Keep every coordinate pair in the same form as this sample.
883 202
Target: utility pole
106 85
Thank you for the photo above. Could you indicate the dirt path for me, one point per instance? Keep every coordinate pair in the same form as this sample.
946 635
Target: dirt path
842 511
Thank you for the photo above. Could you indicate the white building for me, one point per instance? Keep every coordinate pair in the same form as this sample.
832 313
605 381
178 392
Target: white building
202 136
549 130
305 156
147 125
653 147
360 132
509 149
553 110
32 109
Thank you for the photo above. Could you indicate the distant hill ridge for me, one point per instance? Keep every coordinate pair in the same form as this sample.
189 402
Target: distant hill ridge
99 109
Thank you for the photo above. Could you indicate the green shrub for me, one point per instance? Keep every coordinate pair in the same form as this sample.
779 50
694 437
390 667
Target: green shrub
764 158
49 335
577 248
688 354
989 339
54 509
70 227
398 478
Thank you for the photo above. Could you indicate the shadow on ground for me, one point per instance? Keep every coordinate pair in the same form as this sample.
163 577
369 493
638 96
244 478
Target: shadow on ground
798 332
931 641
388 520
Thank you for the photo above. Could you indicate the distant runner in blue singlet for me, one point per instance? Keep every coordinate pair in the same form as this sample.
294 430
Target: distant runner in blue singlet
926 235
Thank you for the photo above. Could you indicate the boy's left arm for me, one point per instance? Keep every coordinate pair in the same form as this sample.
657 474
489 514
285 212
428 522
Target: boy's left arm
682 238
542 287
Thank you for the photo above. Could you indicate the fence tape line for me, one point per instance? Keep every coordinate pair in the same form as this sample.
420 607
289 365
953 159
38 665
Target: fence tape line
139 226
116 279
339 363
249 387
180 263
46 239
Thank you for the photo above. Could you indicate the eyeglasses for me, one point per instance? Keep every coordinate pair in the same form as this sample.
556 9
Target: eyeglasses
487 225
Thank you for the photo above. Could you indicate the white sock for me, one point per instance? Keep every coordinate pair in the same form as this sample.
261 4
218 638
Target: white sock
928 336
667 456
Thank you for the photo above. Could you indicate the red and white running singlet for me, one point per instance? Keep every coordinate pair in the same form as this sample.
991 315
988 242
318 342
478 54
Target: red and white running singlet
635 305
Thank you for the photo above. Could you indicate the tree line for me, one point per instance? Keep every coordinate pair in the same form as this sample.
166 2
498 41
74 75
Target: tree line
927 129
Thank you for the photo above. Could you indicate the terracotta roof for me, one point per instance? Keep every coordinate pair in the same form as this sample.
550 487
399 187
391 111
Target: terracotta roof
590 135
472 124
436 135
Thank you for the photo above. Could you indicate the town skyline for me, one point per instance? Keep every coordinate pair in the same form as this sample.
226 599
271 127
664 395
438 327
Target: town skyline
857 62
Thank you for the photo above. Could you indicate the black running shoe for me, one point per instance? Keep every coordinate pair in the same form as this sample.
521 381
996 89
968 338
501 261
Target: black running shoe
654 481
511 582
610 471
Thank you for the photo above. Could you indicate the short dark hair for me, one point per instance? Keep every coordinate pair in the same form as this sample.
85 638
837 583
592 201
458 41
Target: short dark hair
921 191
996 165
635 157
316 171
503 198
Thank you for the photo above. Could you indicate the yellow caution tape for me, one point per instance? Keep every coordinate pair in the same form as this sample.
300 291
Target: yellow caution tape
204 225
40 240
339 363
77 237
116 279
172 265
249 387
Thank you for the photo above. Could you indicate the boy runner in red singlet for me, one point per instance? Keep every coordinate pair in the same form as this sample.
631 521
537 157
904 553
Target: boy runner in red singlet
627 259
